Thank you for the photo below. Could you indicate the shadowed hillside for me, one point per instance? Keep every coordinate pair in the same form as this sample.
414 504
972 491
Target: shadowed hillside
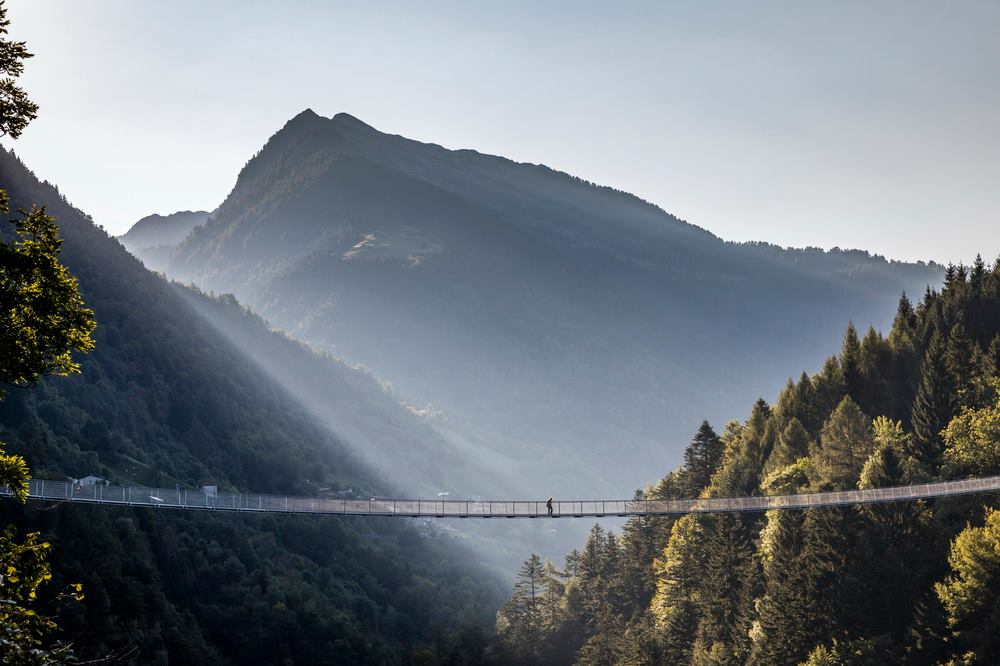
166 400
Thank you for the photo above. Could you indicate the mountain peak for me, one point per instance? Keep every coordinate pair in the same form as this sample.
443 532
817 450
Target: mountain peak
347 120
309 118
305 118
157 230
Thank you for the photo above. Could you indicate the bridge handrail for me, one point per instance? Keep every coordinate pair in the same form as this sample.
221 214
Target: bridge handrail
182 498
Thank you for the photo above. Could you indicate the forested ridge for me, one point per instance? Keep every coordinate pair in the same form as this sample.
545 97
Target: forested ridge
164 399
911 583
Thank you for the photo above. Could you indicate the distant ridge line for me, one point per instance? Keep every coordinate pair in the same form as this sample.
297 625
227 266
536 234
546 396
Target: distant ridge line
43 490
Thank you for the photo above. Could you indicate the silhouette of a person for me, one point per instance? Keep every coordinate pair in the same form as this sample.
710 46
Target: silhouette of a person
548 505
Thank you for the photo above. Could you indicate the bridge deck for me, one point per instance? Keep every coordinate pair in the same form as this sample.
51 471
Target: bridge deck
168 498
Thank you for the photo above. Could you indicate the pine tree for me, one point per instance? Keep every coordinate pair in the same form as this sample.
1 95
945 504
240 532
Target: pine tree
904 326
949 275
901 376
787 404
572 565
876 370
806 402
674 607
701 459
591 563
850 363
844 446
593 575
747 450
551 603
529 588
885 537
729 569
829 389
610 556
961 357
874 350
642 644
793 443
821 582
638 550
519 620
935 404
977 277
601 649
993 357
787 608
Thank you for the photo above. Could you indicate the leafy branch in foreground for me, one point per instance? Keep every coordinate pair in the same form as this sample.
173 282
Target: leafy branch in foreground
16 109
24 629
42 315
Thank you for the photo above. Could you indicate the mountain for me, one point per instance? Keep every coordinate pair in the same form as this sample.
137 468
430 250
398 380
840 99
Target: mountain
569 325
154 236
156 229
165 400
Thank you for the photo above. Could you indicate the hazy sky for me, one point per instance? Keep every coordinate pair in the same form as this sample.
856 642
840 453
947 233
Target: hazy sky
858 124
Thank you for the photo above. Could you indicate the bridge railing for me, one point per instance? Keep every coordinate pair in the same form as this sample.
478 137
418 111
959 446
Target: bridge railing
44 489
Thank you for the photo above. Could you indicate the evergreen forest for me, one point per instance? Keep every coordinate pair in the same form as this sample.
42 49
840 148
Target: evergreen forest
910 583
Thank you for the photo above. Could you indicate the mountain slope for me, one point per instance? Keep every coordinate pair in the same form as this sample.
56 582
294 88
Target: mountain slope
566 322
154 236
165 399
416 455
163 229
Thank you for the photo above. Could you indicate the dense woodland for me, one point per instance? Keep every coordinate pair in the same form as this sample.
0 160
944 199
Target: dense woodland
914 583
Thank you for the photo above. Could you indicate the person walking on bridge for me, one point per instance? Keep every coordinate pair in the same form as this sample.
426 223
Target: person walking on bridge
548 505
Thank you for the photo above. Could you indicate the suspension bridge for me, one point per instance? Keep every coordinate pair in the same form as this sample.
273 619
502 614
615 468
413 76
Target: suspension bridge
50 491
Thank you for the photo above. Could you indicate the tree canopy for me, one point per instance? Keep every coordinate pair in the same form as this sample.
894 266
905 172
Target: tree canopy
16 109
43 319
908 583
